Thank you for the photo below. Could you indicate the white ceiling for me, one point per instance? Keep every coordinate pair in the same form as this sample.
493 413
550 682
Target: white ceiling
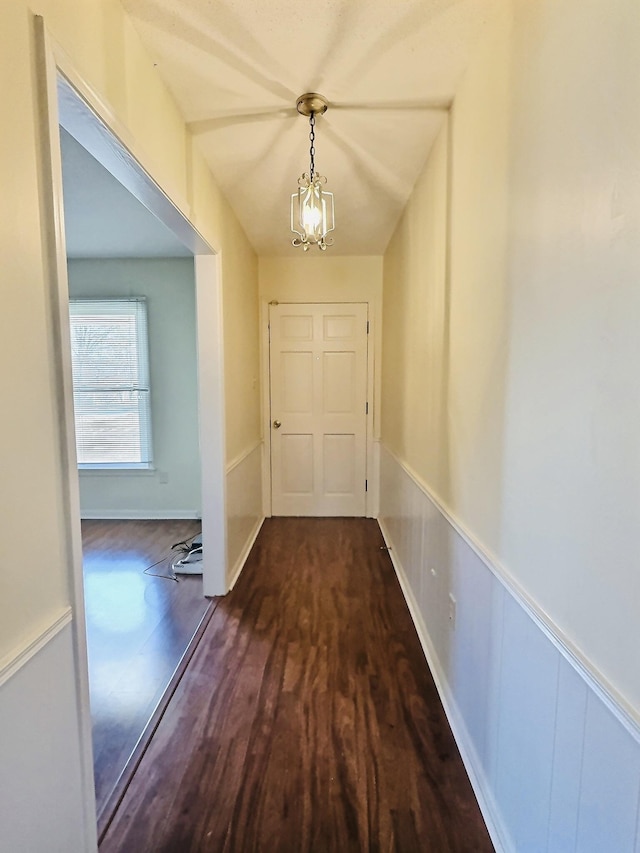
389 69
102 218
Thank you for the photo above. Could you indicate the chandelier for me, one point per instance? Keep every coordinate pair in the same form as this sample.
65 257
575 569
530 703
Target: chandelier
312 206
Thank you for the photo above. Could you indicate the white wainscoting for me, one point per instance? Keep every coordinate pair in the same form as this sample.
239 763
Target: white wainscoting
554 761
244 509
41 795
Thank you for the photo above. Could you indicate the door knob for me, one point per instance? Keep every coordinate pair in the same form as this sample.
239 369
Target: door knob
277 424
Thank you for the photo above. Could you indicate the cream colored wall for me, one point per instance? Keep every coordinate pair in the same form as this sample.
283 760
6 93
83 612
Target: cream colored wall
104 49
571 472
31 596
414 311
321 278
444 302
526 391
242 343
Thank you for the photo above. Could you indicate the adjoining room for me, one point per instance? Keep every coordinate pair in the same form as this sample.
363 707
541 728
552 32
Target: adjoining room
134 359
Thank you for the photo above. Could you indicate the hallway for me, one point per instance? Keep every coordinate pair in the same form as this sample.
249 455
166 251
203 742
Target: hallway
307 719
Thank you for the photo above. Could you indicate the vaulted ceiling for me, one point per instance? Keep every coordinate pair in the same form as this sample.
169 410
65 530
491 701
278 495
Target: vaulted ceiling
389 69
102 219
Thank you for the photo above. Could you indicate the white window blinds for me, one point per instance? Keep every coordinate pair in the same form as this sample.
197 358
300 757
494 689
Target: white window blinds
109 352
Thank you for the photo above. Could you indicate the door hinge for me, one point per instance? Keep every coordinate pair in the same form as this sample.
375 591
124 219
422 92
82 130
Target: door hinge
367 327
366 408
366 485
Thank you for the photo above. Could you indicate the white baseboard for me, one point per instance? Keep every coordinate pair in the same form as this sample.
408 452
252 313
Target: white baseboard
242 559
553 759
139 514
490 813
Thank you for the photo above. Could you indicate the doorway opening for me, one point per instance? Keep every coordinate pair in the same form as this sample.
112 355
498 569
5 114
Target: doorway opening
133 349
72 105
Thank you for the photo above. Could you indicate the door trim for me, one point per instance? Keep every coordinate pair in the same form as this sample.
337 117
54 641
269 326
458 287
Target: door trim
95 126
371 496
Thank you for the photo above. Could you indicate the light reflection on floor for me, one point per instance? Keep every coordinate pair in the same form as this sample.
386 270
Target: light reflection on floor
117 600
138 627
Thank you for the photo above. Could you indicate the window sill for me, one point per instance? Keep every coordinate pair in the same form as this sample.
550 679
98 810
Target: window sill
116 470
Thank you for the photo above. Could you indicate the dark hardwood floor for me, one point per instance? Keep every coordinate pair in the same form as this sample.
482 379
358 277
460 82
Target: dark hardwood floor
307 719
138 628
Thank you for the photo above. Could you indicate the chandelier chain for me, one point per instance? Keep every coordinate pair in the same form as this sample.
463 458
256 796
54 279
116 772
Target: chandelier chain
312 150
312 216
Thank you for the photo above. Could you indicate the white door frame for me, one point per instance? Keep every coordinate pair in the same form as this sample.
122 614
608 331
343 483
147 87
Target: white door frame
94 125
371 497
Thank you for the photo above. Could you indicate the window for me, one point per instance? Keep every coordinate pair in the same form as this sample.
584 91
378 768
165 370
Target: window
109 354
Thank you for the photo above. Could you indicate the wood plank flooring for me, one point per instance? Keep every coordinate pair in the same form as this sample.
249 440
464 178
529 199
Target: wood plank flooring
138 628
307 719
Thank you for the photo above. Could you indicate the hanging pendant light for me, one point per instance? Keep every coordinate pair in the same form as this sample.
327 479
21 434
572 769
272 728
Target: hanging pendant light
312 206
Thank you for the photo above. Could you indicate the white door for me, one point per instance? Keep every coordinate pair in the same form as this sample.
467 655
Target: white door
318 375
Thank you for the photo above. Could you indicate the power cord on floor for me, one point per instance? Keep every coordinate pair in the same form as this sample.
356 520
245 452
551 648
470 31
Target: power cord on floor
170 577
185 547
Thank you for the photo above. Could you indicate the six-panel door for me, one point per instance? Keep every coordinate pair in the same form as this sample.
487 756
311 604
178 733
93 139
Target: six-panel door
318 369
